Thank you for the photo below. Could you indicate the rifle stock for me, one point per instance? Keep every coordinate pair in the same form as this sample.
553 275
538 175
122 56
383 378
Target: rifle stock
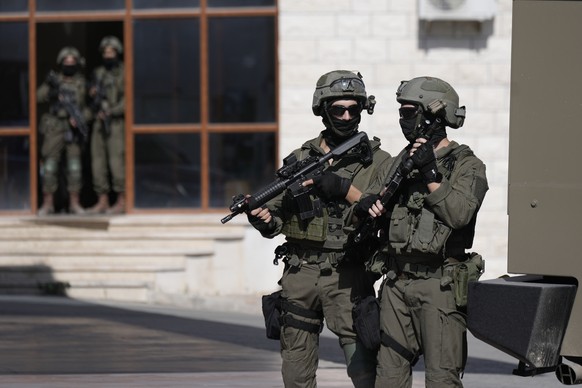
289 174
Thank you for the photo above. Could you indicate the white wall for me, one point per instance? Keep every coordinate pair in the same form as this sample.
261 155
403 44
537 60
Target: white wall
384 40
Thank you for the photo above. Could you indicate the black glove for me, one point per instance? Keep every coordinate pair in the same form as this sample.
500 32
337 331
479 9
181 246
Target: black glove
332 186
260 225
424 159
362 207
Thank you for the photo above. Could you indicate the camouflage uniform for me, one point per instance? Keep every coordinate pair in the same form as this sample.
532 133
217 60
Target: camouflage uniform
108 136
59 135
427 234
320 280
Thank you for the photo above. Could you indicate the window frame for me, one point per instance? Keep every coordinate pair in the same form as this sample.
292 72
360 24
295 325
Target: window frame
204 128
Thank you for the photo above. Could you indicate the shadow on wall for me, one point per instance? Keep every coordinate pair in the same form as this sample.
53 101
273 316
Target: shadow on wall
460 35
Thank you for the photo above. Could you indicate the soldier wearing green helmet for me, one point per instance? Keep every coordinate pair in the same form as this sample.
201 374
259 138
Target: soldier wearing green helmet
108 135
63 128
430 223
321 280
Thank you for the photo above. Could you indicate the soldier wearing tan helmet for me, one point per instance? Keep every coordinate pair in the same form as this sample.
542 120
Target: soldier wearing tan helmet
430 225
321 281
63 129
108 136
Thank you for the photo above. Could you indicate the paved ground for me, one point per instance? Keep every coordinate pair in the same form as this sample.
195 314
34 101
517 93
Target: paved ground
59 342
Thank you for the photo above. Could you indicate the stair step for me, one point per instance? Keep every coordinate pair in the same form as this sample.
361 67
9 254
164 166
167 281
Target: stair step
93 263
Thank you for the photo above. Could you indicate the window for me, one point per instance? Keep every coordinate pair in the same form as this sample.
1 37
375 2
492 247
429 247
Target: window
14 74
14 173
167 71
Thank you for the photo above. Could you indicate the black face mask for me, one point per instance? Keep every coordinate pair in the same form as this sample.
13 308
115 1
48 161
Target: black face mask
110 63
410 128
69 70
339 130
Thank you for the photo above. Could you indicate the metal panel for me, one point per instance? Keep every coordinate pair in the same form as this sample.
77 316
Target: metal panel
545 180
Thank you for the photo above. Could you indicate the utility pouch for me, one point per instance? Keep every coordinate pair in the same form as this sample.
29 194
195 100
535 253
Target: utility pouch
399 230
460 274
431 234
366 316
271 305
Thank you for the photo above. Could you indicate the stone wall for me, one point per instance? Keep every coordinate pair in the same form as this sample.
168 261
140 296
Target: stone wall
386 42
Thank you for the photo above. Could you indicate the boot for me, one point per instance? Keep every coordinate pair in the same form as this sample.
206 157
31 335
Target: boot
74 204
100 206
48 206
119 206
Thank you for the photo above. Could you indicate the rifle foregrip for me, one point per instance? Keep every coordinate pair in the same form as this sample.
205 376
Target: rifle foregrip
266 194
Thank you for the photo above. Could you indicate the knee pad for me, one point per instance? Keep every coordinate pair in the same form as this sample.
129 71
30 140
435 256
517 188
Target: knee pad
50 166
74 166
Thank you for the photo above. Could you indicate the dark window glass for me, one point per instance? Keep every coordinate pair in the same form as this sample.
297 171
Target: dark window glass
240 3
141 4
78 5
242 69
13 74
14 173
167 170
240 163
167 71
13 5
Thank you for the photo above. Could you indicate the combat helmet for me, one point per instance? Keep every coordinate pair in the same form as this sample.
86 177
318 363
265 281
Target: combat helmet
427 92
341 84
70 50
113 42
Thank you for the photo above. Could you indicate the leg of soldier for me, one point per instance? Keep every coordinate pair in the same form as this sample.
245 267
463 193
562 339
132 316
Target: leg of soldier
74 168
443 332
337 292
52 148
393 369
99 160
116 153
299 348
74 177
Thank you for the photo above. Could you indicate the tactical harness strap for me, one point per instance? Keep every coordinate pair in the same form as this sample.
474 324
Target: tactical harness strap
390 342
286 319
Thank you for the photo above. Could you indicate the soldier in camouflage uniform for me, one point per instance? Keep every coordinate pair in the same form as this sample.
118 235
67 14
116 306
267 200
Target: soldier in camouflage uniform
63 128
108 136
320 280
430 223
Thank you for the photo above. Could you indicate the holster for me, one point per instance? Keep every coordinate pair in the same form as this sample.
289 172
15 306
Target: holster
271 305
459 274
366 316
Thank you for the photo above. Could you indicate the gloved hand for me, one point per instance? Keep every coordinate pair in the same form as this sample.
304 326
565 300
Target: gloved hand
424 159
362 207
332 186
261 220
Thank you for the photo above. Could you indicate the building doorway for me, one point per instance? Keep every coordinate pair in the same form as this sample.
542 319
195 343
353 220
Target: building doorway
85 37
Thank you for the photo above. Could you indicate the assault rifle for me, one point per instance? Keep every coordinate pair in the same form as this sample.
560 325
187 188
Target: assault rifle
294 172
67 100
368 225
100 104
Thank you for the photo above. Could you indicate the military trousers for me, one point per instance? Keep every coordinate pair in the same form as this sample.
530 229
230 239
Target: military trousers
108 157
331 293
421 316
53 145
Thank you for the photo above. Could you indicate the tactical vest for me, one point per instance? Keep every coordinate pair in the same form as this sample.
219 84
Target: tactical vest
325 231
413 228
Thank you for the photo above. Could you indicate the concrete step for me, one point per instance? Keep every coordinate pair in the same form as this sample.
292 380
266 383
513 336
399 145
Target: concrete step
104 246
92 263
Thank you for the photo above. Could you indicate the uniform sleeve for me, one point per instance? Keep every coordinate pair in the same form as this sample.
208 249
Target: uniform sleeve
457 200
42 93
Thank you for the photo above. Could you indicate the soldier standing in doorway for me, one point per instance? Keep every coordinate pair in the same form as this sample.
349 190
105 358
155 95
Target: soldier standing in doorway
63 128
107 138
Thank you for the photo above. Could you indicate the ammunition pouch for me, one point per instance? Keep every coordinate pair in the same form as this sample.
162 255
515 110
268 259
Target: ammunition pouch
308 207
277 313
430 234
366 317
459 274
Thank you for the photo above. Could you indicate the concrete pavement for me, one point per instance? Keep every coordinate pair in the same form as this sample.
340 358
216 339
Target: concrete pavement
60 342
